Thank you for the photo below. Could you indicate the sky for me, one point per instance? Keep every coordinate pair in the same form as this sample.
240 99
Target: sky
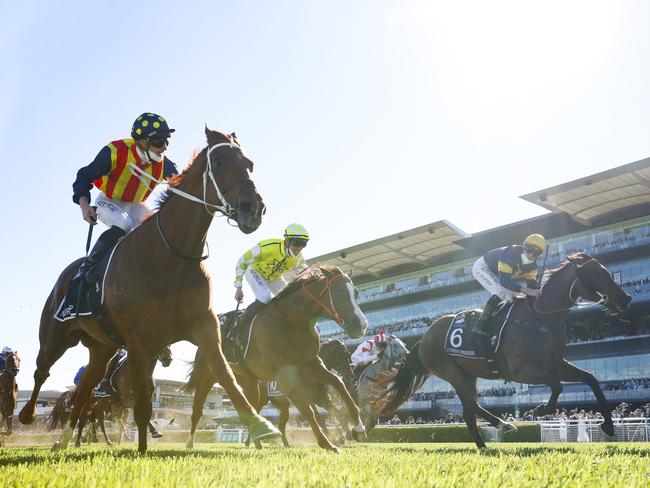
364 118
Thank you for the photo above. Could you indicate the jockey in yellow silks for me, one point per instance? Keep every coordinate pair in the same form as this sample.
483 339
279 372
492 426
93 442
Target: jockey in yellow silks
270 265
125 171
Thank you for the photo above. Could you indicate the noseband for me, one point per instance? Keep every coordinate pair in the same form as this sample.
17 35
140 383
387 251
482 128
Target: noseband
331 310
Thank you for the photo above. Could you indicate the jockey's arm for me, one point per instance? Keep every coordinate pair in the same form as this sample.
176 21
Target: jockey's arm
100 166
245 262
505 277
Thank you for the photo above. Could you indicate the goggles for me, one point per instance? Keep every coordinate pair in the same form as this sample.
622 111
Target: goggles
301 243
535 251
159 142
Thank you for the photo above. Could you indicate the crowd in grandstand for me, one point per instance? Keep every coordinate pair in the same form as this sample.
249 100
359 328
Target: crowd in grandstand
631 384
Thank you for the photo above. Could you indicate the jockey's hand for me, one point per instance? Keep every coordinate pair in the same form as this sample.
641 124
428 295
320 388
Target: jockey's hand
239 295
87 211
531 292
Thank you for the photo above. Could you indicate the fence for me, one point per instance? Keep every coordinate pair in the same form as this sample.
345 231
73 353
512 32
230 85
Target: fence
625 430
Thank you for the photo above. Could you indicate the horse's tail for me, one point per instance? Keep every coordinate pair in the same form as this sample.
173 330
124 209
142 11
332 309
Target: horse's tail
409 378
193 375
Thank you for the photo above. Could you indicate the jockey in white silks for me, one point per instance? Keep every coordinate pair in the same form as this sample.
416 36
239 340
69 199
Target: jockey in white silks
368 350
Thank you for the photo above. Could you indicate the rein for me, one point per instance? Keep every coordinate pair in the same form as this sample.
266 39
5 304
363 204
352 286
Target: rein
331 310
174 251
572 300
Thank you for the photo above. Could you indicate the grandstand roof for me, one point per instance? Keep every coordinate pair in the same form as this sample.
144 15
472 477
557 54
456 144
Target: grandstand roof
615 194
398 253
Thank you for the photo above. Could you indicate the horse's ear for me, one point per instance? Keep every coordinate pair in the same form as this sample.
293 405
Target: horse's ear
208 132
233 136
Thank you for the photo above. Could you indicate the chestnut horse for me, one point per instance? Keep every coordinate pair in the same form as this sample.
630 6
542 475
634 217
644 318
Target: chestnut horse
284 346
156 291
336 358
8 389
531 351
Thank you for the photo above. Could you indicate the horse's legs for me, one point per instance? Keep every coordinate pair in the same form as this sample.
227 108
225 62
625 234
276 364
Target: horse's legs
83 418
569 372
102 425
200 394
208 339
293 388
318 373
155 433
467 396
99 356
51 349
282 404
140 371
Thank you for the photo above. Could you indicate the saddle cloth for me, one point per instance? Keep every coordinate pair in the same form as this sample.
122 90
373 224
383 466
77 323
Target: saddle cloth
91 297
235 337
460 340
272 389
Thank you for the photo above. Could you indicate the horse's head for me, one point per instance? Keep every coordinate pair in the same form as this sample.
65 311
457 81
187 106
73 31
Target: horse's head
596 284
335 294
12 363
227 180
336 356
165 356
395 351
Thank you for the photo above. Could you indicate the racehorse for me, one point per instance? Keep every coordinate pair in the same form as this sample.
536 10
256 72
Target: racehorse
121 401
156 291
372 381
8 389
284 347
531 351
336 358
61 413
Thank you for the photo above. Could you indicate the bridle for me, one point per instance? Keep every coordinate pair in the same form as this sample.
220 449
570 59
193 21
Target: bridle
208 175
603 298
331 310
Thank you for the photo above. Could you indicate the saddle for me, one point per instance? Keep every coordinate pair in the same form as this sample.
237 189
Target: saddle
85 300
463 341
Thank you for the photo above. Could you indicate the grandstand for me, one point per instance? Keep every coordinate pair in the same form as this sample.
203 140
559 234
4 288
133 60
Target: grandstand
408 279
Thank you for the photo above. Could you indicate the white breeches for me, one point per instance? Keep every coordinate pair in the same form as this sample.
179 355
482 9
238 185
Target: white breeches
490 282
125 215
263 289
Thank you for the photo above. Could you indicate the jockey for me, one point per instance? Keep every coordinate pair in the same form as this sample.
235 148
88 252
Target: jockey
501 270
77 376
117 172
265 264
104 389
368 350
3 357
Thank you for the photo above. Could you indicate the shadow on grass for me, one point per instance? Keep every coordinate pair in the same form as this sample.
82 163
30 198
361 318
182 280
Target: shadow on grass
44 455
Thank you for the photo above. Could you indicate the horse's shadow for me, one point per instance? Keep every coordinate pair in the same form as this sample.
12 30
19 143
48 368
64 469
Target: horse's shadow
38 457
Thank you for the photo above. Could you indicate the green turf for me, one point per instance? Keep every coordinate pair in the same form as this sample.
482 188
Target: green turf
363 465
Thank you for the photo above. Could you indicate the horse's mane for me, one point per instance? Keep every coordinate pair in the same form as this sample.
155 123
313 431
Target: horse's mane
552 274
174 182
316 272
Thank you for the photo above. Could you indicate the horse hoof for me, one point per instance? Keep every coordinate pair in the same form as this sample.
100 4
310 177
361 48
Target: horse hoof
26 418
263 430
506 428
359 436
607 428
56 446
156 435
334 449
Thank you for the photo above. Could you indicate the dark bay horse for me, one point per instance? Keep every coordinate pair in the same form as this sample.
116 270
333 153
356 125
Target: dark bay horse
531 351
156 291
285 343
8 389
372 381
336 358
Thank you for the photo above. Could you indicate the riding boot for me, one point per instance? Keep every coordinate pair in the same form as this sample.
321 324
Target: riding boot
104 244
237 332
105 389
483 335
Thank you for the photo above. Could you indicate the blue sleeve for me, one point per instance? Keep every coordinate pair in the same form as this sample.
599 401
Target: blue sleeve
100 166
169 169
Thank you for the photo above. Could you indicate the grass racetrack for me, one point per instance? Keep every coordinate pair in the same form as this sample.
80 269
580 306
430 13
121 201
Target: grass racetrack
363 465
